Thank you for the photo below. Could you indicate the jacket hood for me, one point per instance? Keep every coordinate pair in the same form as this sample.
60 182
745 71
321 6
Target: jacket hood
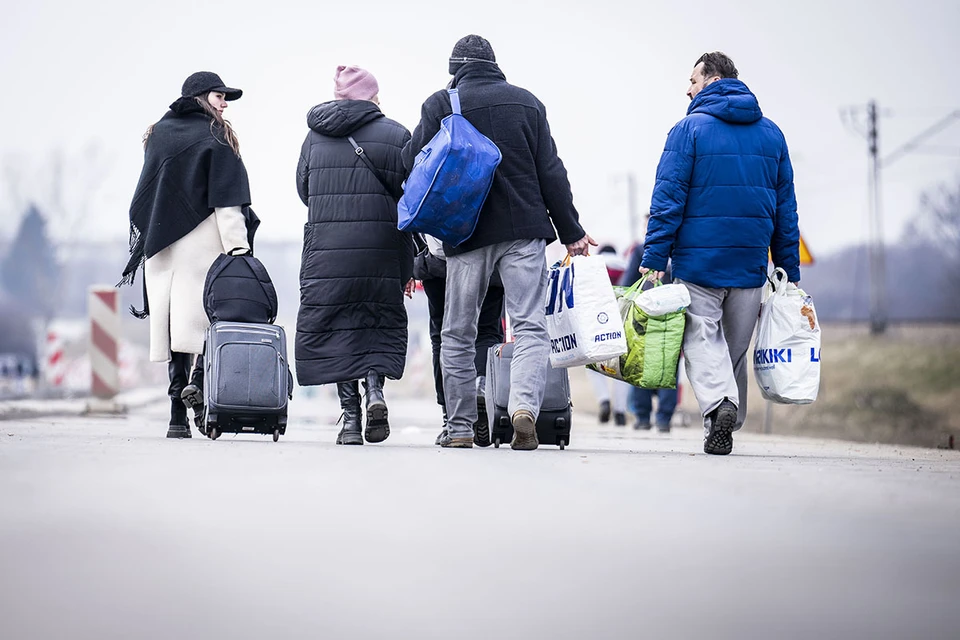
728 99
340 118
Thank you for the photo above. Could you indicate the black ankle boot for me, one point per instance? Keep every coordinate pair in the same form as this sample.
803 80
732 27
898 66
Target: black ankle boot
378 428
178 369
443 431
349 393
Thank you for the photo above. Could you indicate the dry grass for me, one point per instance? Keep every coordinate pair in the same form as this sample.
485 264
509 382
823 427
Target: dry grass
900 388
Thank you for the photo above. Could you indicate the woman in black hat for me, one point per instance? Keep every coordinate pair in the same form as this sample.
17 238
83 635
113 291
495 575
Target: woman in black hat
189 207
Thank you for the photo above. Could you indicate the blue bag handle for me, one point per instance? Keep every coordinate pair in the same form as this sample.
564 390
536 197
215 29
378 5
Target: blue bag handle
455 100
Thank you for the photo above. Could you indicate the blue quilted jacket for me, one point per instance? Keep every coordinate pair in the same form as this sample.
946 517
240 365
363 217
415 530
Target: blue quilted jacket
724 194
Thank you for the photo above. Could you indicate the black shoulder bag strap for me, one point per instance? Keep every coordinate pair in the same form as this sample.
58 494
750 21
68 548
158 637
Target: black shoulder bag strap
359 151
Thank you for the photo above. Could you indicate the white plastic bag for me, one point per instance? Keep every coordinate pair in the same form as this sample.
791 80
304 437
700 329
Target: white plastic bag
664 299
434 246
583 319
786 358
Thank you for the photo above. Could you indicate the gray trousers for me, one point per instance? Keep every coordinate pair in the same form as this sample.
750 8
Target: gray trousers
523 269
720 324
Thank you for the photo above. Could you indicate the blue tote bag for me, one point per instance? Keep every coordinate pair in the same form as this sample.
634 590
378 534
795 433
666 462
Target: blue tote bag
450 180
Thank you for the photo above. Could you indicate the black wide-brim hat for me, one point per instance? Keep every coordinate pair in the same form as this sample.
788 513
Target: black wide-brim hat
203 82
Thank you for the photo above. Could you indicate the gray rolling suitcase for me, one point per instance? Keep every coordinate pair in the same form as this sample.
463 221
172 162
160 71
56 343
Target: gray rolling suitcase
553 423
247 380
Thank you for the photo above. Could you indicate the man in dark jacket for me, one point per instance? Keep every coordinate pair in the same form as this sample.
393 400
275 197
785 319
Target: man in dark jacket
352 324
723 196
530 196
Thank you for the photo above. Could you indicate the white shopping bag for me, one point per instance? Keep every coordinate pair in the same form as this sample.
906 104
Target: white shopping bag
664 299
786 358
583 319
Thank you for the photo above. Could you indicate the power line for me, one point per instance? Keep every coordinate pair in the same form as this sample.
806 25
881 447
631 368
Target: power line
920 137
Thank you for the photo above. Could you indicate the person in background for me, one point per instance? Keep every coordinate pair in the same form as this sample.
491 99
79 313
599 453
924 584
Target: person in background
611 394
640 401
356 266
188 208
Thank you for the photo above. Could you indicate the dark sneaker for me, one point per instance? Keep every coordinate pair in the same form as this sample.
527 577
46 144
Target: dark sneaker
605 412
524 431
620 419
459 442
481 428
663 428
723 419
179 431
642 425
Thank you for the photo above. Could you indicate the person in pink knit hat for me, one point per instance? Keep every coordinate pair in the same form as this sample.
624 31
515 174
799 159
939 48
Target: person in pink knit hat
352 324
354 83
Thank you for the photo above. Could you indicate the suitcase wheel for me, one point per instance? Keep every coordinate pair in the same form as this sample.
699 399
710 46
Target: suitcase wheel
214 433
276 434
496 443
562 444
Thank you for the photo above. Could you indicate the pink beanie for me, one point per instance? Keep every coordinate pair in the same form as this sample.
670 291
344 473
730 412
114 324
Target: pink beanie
354 83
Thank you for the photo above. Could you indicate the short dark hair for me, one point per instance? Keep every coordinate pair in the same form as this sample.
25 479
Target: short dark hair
717 64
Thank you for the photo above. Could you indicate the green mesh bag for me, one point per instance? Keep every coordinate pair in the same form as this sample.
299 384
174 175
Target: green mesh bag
653 344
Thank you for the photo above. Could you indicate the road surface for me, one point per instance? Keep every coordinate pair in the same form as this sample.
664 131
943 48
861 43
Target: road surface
109 530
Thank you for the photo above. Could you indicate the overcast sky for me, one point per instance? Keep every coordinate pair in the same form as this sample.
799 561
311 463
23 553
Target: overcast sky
85 80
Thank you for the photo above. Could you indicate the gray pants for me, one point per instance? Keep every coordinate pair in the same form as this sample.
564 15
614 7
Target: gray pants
523 269
720 324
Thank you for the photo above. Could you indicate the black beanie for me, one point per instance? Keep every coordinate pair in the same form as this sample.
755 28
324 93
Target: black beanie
470 48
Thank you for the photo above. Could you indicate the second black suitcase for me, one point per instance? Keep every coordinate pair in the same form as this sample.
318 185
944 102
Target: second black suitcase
247 381
553 423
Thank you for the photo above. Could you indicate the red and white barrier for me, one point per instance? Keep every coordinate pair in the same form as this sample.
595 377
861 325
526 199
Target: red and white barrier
104 341
55 368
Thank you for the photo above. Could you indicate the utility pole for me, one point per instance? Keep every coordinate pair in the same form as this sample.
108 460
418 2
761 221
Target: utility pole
878 291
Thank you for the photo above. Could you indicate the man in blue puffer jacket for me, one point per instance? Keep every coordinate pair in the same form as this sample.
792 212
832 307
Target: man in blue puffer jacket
723 196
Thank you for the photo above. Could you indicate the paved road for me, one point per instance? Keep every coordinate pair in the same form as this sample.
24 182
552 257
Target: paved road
108 530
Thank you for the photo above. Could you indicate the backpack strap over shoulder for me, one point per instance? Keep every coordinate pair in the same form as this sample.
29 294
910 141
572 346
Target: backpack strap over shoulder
376 172
454 100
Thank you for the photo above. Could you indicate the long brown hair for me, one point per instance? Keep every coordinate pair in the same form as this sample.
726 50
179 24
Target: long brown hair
220 128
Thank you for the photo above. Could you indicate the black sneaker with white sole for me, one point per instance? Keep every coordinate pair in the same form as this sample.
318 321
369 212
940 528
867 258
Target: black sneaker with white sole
481 428
723 420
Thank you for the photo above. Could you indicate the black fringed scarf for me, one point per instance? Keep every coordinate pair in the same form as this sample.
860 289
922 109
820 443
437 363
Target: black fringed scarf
188 171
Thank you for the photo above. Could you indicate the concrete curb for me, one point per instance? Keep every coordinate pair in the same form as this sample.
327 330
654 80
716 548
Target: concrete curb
37 408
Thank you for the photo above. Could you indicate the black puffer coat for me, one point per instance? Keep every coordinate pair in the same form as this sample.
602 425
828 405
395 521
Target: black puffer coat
355 262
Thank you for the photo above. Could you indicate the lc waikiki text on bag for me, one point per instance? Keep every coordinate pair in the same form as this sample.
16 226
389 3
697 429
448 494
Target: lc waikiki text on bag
583 320
653 322
449 181
786 358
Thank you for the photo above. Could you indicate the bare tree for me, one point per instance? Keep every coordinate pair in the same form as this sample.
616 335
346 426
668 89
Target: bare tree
938 224
29 272
64 185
